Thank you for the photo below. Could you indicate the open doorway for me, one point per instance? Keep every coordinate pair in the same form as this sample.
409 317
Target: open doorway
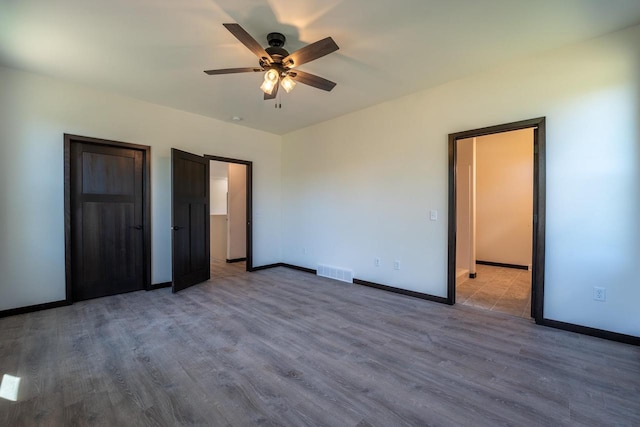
229 216
496 218
190 217
494 192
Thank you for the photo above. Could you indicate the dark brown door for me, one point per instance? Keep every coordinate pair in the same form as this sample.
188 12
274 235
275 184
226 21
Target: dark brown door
107 239
190 218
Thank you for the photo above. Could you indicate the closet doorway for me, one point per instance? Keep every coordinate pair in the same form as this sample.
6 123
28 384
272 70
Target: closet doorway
107 205
496 218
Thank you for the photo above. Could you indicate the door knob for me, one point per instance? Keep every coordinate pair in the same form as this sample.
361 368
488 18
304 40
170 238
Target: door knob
176 228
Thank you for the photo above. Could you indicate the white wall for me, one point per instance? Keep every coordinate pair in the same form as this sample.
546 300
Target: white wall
36 111
218 237
218 188
505 197
362 185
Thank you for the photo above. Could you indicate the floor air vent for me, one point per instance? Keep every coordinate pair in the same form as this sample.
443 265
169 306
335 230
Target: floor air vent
335 273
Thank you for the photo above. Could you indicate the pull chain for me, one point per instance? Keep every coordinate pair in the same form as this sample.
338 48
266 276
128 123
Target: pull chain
279 100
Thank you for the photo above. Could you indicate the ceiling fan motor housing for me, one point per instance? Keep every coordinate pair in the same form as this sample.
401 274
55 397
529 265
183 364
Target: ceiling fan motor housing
275 49
277 53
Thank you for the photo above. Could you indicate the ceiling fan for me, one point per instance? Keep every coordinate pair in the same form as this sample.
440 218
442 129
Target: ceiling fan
279 64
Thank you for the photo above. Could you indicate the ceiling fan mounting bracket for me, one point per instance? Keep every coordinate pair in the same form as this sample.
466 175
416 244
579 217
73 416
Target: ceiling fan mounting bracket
276 39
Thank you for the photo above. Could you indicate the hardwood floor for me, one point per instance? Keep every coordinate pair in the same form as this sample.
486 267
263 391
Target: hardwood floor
282 347
221 268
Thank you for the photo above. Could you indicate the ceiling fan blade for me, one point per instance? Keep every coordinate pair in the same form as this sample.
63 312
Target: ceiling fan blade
310 52
251 43
273 94
234 70
312 80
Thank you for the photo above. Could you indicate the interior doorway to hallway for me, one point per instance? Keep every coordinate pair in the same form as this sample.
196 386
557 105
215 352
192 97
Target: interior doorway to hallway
190 216
494 203
496 218
229 216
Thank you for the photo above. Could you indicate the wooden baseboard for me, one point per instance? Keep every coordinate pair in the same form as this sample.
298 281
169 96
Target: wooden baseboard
376 285
401 291
500 264
295 267
267 266
32 308
159 286
283 264
594 332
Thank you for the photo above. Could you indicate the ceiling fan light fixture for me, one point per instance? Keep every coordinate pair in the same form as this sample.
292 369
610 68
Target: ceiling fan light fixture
288 84
271 75
267 86
270 81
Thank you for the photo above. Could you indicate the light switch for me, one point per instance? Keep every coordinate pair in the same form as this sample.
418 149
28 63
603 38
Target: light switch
433 215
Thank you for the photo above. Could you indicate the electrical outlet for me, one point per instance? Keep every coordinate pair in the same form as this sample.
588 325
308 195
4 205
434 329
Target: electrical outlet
599 294
376 262
396 265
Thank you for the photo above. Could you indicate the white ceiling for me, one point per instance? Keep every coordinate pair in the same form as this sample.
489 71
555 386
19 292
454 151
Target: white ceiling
156 50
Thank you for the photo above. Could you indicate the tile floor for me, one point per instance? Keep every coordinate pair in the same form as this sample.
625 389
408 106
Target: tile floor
506 290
